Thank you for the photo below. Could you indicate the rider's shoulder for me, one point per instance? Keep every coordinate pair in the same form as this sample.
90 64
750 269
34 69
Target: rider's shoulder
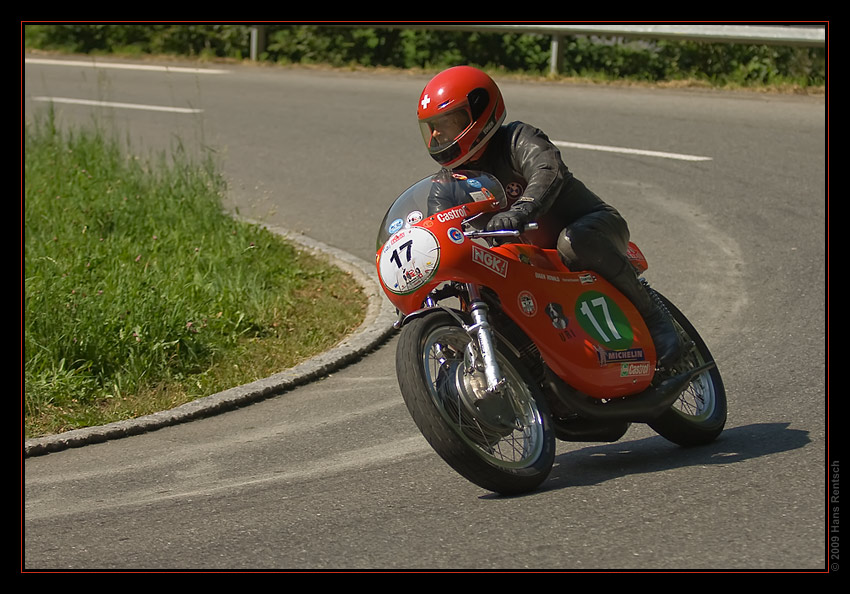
517 130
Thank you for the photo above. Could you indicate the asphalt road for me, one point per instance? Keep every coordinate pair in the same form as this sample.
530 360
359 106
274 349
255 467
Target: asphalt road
334 474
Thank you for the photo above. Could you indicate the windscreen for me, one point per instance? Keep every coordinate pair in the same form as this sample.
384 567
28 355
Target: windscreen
436 193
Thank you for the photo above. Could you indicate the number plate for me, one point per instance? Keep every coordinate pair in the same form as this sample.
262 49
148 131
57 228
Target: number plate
409 260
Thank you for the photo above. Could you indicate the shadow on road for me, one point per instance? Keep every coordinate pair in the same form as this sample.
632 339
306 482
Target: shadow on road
596 464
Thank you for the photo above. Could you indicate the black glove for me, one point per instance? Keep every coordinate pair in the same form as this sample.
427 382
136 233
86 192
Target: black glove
514 218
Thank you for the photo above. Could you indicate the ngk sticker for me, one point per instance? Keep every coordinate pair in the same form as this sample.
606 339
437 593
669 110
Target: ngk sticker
490 260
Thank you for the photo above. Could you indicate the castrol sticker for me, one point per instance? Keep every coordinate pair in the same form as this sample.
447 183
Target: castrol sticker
455 213
408 260
489 260
639 369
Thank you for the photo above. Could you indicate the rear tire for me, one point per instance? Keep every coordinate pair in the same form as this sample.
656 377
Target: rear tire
699 415
444 402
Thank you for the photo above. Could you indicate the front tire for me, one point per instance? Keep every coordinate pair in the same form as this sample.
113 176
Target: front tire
699 415
445 402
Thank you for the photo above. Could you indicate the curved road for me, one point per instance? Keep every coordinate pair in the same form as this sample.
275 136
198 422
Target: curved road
334 475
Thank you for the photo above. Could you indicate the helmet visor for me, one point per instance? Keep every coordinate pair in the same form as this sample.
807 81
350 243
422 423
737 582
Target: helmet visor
442 130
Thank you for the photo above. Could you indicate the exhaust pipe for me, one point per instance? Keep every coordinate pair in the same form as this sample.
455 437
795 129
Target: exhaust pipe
637 408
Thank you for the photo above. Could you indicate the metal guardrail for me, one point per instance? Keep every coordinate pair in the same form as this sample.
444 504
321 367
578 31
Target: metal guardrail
811 35
798 35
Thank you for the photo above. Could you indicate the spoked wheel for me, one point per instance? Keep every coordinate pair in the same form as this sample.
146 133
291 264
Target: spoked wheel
699 415
501 442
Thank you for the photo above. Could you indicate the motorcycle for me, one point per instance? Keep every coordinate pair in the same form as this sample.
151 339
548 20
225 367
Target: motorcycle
503 349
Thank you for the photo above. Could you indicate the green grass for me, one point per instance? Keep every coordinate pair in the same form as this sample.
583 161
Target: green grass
140 294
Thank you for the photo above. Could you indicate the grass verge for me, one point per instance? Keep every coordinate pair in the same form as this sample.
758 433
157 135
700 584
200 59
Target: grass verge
140 294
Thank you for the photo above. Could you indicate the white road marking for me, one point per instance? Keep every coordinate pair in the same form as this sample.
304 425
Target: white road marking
117 104
628 151
177 69
149 67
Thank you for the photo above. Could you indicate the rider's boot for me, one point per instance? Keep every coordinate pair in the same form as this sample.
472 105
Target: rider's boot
668 346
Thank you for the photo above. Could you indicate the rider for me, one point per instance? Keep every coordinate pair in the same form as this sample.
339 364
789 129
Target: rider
461 114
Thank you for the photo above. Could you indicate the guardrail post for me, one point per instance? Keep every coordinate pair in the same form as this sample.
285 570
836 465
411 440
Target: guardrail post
258 41
557 58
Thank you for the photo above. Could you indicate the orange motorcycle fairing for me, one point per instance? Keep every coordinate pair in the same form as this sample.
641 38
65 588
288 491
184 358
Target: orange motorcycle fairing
587 332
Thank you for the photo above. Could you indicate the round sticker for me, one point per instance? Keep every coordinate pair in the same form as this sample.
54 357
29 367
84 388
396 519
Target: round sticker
600 317
408 260
514 190
455 235
395 226
414 217
527 303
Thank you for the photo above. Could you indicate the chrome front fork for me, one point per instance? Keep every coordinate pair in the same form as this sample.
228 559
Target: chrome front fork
480 332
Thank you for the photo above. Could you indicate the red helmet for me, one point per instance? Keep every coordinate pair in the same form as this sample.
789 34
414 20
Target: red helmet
459 111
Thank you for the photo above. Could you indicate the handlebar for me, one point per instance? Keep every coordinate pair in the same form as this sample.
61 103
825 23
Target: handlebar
502 232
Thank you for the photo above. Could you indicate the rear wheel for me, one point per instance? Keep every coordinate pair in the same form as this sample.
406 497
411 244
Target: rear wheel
501 442
699 415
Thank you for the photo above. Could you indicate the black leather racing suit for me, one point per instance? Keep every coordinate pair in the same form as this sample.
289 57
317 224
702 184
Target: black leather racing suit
588 233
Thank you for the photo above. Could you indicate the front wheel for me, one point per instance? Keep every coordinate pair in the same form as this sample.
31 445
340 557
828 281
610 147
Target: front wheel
503 443
699 415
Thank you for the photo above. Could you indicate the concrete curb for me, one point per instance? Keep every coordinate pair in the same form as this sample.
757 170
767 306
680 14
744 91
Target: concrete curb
375 329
